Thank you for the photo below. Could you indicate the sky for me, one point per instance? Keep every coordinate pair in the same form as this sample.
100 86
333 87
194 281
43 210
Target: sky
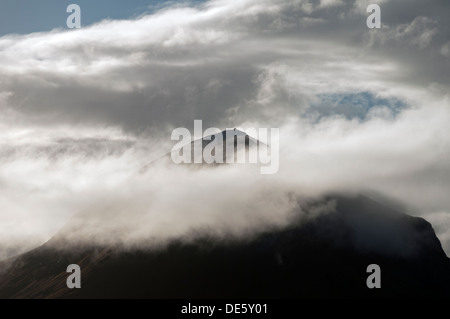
81 111
26 16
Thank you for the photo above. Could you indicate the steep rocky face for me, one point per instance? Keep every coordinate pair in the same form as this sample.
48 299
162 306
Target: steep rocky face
322 256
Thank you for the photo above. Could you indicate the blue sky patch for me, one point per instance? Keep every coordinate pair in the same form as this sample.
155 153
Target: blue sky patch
353 105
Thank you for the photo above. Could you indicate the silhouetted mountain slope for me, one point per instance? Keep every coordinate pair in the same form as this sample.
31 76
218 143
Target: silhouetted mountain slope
321 256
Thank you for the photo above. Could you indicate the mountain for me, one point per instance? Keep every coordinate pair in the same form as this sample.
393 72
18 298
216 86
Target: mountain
240 141
322 255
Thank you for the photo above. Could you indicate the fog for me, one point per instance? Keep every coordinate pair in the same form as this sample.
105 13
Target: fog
82 111
101 195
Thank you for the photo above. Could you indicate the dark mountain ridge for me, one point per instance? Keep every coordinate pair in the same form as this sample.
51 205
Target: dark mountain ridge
324 255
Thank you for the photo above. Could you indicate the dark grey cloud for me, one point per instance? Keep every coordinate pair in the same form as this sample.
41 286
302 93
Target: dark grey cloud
207 63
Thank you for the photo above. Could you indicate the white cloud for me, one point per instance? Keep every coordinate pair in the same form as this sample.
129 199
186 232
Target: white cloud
82 110
445 50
